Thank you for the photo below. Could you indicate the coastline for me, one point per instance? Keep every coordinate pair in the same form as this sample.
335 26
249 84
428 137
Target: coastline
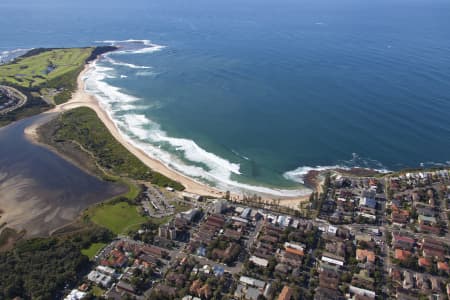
81 98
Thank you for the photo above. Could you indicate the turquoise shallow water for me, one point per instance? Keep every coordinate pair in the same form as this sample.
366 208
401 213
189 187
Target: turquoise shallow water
257 92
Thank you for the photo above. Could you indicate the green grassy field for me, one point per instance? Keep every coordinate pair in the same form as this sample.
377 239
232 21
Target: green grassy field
119 217
46 76
93 249
44 68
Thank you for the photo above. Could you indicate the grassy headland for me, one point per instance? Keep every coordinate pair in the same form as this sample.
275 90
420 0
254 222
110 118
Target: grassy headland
46 76
44 68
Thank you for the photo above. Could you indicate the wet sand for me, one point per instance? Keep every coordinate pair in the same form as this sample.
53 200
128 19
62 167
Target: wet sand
40 191
83 99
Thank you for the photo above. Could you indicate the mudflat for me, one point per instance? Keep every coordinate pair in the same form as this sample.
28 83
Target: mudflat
39 190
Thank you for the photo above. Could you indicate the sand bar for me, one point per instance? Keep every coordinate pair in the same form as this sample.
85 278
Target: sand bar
83 99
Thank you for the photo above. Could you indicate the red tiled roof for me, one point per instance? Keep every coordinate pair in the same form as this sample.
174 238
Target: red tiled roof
365 254
424 262
402 254
428 228
285 294
399 218
404 239
294 251
433 244
442 265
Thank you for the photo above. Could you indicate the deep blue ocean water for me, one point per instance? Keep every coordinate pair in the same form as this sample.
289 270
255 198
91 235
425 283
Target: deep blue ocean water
254 93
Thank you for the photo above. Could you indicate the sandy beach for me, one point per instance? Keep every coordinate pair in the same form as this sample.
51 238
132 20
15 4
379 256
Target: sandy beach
82 99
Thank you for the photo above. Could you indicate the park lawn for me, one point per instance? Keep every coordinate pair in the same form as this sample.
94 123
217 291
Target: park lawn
42 68
118 217
133 188
93 249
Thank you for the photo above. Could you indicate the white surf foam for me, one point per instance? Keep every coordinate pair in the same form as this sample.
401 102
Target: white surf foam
146 74
9 55
298 175
115 42
129 46
94 79
124 64
147 135
431 164
240 155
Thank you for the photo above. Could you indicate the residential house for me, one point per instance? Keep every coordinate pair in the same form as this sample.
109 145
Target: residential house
333 259
443 266
402 255
365 255
408 280
432 248
402 242
286 293
424 262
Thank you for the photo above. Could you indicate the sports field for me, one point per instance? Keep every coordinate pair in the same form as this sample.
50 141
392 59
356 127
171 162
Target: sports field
119 217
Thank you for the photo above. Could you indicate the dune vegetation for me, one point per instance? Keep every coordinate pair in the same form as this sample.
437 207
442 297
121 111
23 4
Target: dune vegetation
82 127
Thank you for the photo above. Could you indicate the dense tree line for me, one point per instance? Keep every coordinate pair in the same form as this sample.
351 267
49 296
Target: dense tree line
41 268
99 51
82 126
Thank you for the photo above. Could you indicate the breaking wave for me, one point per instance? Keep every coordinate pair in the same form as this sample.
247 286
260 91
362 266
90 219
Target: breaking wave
299 174
9 55
133 46
124 64
180 154
146 74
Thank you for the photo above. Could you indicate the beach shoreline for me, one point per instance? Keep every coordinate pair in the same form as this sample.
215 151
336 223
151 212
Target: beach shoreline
81 98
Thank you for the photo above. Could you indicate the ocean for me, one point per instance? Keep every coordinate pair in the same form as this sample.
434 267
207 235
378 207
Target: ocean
250 95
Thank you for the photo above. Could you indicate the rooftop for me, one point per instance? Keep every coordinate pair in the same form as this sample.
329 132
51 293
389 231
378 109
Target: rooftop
402 254
286 293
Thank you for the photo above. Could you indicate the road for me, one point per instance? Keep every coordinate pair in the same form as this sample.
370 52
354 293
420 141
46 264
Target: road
10 92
